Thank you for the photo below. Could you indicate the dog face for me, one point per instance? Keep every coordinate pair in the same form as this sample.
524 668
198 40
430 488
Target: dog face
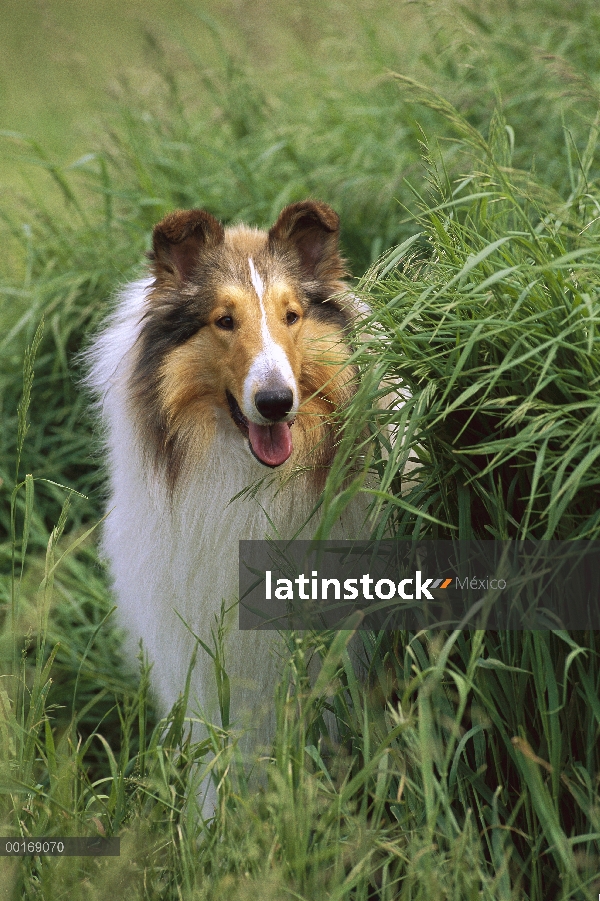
240 322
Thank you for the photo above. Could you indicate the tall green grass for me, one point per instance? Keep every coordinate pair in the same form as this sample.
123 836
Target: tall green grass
479 377
466 768
466 764
487 322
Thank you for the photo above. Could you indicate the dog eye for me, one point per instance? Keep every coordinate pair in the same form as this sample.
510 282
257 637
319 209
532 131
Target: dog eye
291 317
225 323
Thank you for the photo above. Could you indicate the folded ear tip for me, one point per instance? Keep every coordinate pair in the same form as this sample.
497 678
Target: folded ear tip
312 228
305 211
327 215
179 238
180 224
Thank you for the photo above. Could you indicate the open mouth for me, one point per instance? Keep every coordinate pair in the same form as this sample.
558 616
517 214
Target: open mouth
270 444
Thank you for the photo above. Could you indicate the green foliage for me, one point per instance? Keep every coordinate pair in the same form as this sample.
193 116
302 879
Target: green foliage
464 765
478 408
488 326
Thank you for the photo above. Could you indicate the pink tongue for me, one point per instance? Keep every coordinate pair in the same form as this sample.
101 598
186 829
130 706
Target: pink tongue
271 443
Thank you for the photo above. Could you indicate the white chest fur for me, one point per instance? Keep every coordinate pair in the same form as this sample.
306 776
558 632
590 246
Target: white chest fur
174 560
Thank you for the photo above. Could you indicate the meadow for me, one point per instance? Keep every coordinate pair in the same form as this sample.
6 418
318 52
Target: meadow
458 142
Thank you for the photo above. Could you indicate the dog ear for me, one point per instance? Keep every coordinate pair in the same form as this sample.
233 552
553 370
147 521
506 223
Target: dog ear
313 228
179 240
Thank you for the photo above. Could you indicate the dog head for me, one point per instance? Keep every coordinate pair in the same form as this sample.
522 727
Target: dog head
243 322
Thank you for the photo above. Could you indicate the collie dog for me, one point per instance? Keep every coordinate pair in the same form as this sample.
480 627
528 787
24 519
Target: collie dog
223 369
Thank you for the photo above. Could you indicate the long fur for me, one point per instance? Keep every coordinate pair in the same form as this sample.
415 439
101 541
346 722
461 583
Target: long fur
175 394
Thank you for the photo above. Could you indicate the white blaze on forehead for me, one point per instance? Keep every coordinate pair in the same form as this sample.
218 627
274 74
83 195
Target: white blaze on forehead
270 368
257 283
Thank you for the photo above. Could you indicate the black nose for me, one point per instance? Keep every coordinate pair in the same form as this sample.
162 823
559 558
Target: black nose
274 405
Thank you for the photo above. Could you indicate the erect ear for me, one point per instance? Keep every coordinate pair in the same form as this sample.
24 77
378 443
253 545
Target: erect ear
313 229
179 240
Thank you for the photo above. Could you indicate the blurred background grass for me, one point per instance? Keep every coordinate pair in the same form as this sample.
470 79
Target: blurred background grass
62 61
469 763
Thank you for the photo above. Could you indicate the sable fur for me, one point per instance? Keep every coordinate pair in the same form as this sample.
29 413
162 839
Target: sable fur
192 258
164 370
